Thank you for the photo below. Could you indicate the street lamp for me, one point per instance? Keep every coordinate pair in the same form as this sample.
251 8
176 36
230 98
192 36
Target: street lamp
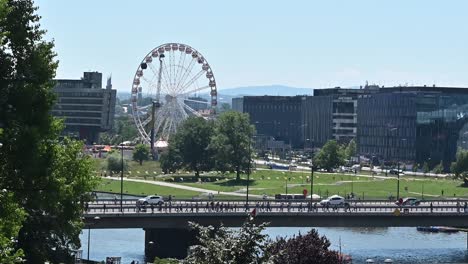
121 176
96 218
248 171
312 175
390 129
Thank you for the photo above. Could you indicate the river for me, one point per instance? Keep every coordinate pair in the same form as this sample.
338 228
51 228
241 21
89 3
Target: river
403 245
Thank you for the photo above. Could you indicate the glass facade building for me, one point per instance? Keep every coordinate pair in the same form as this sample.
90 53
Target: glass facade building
414 124
279 117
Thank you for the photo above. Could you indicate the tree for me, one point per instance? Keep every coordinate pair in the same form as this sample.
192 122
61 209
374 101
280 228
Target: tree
330 156
439 168
141 153
49 179
302 249
460 166
11 218
224 245
191 144
114 163
415 167
232 142
425 167
350 150
170 161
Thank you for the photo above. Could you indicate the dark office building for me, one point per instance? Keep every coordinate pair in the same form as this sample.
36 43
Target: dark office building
331 114
277 116
87 108
413 124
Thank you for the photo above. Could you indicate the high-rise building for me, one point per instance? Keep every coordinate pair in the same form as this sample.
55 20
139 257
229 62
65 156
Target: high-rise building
238 104
331 114
279 117
414 124
87 108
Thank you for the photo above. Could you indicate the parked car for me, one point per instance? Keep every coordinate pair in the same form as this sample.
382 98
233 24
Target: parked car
409 201
395 172
334 200
151 199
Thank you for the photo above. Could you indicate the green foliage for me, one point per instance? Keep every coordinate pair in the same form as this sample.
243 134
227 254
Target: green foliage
460 166
227 246
191 144
123 130
415 167
330 156
141 153
309 248
425 167
170 160
114 163
11 218
48 179
439 168
232 142
248 245
350 150
165 261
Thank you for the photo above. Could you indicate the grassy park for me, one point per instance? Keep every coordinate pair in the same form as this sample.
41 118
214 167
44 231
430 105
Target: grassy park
273 182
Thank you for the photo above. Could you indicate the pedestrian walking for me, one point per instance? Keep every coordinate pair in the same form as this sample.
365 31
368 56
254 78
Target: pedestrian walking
431 207
104 207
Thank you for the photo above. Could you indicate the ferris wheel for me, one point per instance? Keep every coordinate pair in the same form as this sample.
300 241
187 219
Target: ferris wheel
166 90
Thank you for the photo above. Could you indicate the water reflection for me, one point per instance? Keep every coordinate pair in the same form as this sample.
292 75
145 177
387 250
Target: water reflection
403 245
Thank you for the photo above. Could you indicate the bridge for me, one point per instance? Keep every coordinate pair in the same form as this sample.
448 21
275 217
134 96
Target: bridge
167 233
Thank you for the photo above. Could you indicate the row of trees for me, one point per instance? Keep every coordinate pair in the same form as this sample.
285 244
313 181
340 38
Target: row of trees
44 180
203 145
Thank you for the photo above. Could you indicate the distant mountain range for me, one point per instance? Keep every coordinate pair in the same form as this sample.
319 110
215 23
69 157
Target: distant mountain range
226 95
266 90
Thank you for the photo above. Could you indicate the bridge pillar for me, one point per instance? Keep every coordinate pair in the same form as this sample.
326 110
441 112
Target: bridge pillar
168 243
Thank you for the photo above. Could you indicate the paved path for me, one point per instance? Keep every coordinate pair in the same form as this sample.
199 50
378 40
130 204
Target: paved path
184 187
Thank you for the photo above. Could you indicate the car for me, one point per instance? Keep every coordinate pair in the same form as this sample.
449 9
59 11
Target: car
334 200
396 172
409 201
151 199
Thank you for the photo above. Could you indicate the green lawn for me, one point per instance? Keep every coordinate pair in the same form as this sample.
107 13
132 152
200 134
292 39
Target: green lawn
137 188
274 182
134 168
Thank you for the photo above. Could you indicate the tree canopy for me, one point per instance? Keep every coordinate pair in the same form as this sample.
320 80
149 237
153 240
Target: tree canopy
46 178
191 144
141 153
330 156
249 245
232 141
350 150
460 166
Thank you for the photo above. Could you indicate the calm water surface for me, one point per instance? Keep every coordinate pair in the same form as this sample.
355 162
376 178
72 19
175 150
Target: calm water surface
403 245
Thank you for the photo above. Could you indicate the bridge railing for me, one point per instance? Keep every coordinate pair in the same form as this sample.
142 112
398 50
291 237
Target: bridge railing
273 207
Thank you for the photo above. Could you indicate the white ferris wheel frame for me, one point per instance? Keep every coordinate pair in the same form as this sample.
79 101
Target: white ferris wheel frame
176 82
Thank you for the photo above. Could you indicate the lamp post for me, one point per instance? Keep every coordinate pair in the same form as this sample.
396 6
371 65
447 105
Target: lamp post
121 176
96 218
312 175
390 129
248 171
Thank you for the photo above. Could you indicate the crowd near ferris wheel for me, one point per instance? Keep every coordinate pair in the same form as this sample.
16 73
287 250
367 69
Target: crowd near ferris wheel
173 75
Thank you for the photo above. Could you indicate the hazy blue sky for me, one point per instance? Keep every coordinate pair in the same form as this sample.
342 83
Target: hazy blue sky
298 43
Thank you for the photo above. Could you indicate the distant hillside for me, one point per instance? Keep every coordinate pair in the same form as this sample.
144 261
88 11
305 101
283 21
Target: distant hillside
226 95
266 90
